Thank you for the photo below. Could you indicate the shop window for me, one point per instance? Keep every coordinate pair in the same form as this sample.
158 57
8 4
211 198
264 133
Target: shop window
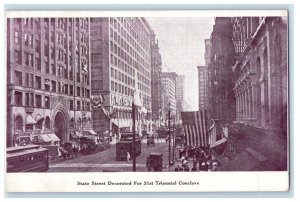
19 123
18 98
47 102
38 100
29 127
18 78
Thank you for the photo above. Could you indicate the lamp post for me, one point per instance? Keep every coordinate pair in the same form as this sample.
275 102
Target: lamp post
133 138
174 133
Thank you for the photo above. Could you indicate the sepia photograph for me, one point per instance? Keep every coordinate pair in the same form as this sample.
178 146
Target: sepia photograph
155 93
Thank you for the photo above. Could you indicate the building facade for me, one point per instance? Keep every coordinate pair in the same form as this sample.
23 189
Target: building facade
180 94
169 84
203 87
156 82
48 78
121 65
221 97
261 85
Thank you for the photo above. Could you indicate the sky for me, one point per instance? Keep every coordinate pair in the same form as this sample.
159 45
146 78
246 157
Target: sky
181 43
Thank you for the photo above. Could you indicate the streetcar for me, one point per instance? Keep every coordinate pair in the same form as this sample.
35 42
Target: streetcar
125 145
29 158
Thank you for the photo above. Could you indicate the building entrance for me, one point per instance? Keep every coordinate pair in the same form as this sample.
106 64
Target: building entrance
60 127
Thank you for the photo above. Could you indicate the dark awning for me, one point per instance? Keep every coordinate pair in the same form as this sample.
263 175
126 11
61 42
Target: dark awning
39 118
53 137
217 143
45 138
92 132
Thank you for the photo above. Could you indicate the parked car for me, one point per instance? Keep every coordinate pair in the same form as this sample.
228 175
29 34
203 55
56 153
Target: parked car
69 150
88 145
155 162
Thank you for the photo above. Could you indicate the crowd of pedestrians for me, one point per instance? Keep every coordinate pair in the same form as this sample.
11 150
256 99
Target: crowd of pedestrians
196 159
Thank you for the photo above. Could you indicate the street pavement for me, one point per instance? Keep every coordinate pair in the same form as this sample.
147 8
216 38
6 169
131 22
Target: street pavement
105 161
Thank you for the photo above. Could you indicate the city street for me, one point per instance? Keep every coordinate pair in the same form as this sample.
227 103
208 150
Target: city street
105 161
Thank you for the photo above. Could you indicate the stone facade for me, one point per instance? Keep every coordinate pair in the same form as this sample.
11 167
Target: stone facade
261 69
48 77
121 64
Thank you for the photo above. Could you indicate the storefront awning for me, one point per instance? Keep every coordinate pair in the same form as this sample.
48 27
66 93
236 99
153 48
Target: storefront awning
92 132
45 138
39 118
30 120
76 134
217 143
53 137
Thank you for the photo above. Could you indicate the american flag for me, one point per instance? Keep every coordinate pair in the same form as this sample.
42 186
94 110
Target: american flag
195 128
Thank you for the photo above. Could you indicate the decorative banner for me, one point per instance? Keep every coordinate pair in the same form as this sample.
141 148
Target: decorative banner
96 100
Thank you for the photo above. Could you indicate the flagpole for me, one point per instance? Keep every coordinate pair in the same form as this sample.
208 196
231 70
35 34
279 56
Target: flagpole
133 138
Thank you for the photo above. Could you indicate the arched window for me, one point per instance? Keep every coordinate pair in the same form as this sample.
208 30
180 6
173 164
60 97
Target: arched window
19 123
47 123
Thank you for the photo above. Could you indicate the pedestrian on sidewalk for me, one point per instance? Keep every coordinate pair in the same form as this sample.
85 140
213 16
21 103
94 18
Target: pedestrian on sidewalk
128 157
194 168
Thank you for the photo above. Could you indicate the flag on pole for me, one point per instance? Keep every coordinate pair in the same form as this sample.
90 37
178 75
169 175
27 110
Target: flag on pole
195 128
212 134
136 99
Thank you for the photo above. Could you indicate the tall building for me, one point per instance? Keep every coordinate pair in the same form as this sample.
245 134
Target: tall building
169 85
203 87
204 78
48 78
156 82
121 65
180 94
207 44
221 98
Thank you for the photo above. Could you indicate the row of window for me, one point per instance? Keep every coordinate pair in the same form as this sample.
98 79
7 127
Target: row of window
119 88
143 41
41 101
53 86
31 100
122 65
80 105
60 70
39 125
120 46
122 77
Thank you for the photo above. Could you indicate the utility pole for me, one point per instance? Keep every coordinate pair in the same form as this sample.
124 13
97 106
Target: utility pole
174 134
133 138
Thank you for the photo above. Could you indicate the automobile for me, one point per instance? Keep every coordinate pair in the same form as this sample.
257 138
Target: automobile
125 146
69 150
87 145
150 141
154 162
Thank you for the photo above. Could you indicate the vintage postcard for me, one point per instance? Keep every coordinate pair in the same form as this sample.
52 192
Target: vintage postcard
147 101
